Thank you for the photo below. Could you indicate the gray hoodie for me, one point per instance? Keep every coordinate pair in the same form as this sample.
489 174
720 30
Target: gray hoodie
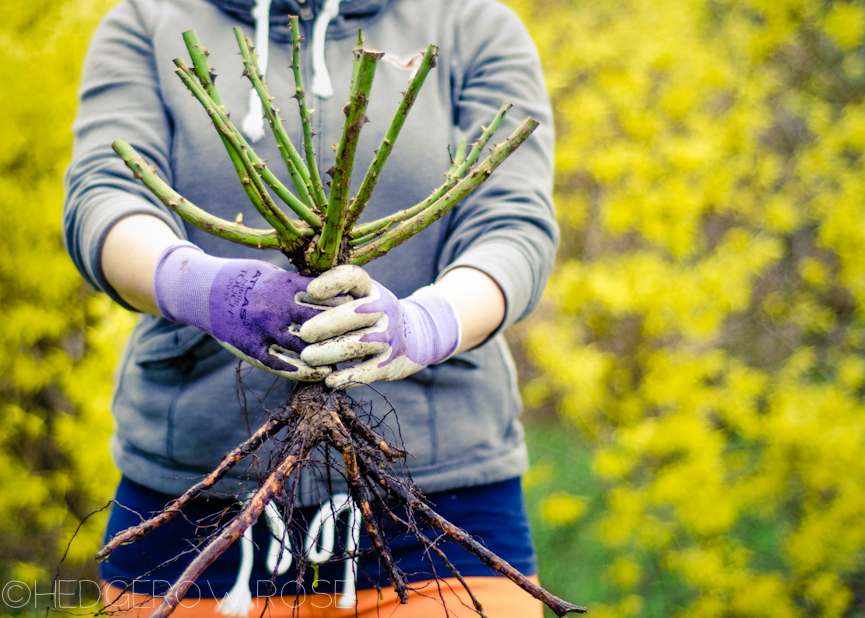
181 401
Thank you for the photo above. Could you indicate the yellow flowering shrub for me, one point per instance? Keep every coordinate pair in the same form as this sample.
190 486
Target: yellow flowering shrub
58 344
704 328
705 325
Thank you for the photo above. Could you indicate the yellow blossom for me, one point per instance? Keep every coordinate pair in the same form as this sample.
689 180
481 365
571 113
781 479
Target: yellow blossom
562 509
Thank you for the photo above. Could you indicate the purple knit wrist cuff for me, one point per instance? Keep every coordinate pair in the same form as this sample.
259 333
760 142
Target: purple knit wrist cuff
182 283
444 331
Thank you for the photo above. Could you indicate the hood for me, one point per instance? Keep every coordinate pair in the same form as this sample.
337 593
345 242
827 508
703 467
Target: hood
307 10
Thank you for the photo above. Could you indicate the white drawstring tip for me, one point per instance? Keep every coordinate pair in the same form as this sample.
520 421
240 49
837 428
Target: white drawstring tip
321 85
253 124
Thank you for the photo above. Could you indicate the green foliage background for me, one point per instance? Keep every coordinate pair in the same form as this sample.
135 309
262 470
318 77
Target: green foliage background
703 333
58 343
694 378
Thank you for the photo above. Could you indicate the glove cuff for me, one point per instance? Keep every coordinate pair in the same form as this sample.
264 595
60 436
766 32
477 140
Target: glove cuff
443 331
182 281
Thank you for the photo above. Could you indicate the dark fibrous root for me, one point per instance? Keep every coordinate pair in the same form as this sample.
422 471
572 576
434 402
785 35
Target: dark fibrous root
416 504
130 535
316 417
359 493
433 547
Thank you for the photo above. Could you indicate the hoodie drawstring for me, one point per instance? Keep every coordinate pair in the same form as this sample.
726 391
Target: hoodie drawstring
321 85
253 124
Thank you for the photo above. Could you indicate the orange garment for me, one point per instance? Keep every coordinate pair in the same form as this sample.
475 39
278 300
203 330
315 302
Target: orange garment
499 597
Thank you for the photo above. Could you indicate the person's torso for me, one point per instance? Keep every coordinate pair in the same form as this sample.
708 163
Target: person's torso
181 403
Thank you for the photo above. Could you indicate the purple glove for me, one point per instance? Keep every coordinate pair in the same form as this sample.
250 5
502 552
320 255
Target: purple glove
403 336
253 308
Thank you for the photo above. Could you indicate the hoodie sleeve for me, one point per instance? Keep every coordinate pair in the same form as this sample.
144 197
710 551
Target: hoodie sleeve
507 227
119 98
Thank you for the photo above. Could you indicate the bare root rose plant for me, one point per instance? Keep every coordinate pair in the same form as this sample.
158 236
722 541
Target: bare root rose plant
322 233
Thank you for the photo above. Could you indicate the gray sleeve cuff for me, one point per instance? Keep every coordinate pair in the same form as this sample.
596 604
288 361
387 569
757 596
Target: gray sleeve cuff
102 214
506 264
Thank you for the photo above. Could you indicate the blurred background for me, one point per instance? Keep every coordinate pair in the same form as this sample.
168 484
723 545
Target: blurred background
694 378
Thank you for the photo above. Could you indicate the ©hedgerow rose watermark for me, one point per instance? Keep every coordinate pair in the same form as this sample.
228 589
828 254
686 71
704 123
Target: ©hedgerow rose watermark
87 594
